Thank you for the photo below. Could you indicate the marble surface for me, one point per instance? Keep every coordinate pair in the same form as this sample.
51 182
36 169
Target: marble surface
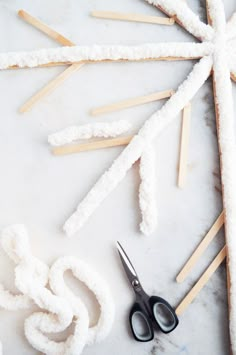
41 191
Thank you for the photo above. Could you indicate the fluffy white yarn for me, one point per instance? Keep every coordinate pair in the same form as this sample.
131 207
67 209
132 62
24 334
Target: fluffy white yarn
147 191
95 283
97 129
31 276
184 14
99 53
156 123
14 242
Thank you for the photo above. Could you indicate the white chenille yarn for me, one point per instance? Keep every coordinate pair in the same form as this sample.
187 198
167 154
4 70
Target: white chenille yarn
152 127
104 52
58 308
95 283
87 131
147 191
14 242
218 54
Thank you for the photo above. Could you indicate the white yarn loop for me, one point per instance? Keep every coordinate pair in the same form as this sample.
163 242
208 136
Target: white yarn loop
31 277
95 283
14 242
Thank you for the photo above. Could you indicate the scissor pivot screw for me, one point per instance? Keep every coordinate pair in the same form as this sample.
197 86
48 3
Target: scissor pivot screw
135 283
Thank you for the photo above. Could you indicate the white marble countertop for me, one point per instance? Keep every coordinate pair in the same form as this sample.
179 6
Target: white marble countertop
41 191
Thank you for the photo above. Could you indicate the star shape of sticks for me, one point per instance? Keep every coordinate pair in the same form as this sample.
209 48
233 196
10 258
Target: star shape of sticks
216 54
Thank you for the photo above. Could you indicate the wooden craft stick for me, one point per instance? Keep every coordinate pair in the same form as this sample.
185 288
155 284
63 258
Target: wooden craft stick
201 282
132 102
201 248
133 17
184 144
105 143
44 28
53 84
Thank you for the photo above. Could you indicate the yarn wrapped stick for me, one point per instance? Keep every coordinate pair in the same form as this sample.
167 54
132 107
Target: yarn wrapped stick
87 131
147 191
182 14
153 126
96 53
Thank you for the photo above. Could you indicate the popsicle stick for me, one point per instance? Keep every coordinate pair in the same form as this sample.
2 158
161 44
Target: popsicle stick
133 17
99 144
53 84
184 145
44 28
201 248
132 102
188 299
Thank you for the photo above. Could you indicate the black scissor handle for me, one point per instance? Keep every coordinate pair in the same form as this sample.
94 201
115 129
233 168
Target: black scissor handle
163 314
140 323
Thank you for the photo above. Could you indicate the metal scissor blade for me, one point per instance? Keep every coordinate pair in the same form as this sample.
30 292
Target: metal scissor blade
129 269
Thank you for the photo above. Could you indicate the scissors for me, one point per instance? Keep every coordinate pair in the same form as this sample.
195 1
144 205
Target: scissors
147 312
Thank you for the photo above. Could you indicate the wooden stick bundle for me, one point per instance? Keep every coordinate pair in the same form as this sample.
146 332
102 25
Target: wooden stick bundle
201 248
201 282
53 84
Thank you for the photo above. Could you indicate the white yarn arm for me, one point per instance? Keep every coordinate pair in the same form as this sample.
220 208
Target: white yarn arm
99 53
231 27
156 123
185 15
97 129
216 13
147 190
226 137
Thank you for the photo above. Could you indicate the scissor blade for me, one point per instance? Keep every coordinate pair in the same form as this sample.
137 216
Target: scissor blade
129 269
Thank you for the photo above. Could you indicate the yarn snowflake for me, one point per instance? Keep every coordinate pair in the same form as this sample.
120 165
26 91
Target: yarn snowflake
216 53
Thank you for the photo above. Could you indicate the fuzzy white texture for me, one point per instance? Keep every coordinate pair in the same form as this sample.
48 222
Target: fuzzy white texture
105 185
186 16
147 191
101 52
14 242
95 283
97 129
31 278
231 49
226 122
0 348
156 123
231 27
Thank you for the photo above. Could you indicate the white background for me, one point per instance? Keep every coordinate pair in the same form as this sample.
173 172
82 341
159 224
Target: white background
41 191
